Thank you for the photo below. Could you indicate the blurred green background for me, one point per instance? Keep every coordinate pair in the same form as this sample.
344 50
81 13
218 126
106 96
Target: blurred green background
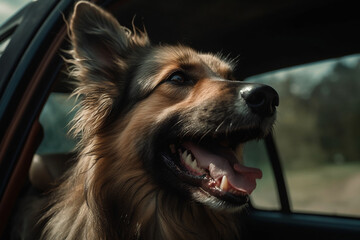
317 134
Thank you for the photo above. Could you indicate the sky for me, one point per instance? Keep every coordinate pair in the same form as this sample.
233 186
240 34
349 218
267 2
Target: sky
310 74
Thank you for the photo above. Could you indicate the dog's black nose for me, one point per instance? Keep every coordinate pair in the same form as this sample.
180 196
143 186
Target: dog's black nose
260 98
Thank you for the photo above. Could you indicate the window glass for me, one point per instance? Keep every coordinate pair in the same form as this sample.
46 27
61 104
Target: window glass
265 195
318 134
9 7
55 118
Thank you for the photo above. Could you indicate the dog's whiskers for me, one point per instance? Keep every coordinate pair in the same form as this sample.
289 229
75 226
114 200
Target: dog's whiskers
205 134
218 127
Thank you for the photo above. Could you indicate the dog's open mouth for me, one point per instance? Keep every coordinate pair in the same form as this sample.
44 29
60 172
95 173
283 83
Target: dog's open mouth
214 165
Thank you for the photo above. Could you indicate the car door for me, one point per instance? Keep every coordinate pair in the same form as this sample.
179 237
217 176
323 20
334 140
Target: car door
27 68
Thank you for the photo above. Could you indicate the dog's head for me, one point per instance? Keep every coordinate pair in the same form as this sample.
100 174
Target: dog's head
176 112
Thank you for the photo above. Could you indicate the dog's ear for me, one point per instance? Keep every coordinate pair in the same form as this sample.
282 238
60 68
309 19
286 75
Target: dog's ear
100 43
101 49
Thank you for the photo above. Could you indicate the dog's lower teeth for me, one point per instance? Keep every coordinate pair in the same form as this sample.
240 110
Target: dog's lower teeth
224 185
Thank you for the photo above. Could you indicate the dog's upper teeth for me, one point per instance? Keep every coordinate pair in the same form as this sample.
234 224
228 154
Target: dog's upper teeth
188 160
224 185
184 155
194 164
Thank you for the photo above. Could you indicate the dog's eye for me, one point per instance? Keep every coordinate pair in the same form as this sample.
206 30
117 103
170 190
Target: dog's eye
179 78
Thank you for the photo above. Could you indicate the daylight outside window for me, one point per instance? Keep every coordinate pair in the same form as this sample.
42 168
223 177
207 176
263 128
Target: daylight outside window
317 134
9 7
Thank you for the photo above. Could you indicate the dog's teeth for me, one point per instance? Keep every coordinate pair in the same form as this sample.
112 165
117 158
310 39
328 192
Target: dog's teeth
194 164
197 168
188 160
184 155
172 148
224 185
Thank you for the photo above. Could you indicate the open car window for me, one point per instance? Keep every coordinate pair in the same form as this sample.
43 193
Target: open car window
317 135
55 119
9 7
10 12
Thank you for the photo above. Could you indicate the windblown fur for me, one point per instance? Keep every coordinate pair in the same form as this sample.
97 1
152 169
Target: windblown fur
112 191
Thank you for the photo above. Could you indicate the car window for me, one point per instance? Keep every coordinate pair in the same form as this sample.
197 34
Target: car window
317 134
265 194
55 119
9 7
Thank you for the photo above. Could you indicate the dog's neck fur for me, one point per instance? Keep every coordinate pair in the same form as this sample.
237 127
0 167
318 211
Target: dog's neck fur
173 219
86 205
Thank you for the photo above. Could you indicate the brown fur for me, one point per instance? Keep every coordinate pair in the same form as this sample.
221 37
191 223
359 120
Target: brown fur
111 192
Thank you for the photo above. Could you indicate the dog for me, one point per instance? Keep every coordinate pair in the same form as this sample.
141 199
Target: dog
161 132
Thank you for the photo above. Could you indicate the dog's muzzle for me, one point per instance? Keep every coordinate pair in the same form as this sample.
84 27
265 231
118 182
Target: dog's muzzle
208 159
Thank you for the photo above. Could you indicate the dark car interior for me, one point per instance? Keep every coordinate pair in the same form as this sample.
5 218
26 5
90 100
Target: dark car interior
263 36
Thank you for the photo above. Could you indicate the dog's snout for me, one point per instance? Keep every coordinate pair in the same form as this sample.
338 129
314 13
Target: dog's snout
261 99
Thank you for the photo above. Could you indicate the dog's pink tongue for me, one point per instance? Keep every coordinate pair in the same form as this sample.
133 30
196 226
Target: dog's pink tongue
240 177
